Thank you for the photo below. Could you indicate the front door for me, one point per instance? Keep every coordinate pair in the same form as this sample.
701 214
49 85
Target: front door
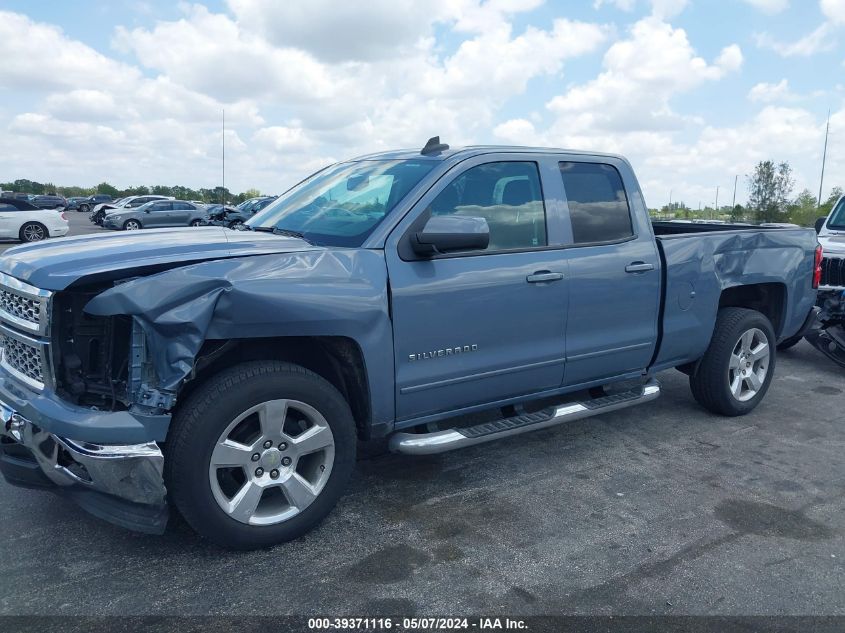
158 214
484 326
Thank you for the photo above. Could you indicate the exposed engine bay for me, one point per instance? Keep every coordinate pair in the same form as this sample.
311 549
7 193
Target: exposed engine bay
828 334
91 354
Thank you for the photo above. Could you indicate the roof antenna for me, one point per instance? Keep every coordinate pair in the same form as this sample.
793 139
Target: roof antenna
434 146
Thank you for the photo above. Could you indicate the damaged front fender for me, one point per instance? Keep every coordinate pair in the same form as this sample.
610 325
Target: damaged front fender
309 293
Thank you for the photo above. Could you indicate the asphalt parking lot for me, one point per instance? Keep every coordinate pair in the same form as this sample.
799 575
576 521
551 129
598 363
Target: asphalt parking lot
660 509
79 225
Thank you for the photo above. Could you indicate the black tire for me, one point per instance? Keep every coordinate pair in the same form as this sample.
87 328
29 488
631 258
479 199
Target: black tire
710 383
33 232
196 223
235 223
199 423
83 208
128 223
789 343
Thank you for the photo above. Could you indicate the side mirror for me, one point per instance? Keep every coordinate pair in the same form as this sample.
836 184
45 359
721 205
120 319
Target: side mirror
450 233
820 224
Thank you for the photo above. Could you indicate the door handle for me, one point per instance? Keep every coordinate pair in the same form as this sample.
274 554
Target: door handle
638 267
543 275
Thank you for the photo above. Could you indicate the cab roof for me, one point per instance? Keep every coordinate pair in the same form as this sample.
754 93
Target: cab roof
475 150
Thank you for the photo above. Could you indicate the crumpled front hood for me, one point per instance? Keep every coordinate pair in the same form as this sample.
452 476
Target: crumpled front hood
57 263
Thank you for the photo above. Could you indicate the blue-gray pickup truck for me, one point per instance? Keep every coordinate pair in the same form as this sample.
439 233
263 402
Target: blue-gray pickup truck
230 373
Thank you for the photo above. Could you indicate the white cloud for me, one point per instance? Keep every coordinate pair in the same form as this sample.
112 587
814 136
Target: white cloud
819 40
622 5
40 57
769 6
667 9
834 10
640 76
661 9
767 93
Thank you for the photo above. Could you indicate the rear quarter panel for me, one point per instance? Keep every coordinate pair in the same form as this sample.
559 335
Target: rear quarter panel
699 267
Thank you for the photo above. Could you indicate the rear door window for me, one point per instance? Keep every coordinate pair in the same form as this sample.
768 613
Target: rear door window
598 205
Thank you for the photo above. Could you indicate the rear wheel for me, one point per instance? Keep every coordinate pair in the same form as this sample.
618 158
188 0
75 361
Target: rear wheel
196 223
131 225
737 368
235 223
260 454
33 232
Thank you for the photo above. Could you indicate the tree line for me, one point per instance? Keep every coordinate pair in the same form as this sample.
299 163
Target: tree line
770 199
216 195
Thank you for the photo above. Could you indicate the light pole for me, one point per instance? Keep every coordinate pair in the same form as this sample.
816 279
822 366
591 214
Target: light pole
223 192
824 160
716 210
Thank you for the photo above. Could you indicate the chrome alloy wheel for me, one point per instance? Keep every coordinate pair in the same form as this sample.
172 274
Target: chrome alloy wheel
33 233
749 364
271 462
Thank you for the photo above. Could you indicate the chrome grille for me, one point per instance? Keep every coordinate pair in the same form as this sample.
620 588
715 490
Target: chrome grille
25 359
833 272
23 306
24 331
20 307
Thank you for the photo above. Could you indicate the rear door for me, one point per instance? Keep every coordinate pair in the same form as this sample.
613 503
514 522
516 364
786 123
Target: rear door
483 326
614 268
181 213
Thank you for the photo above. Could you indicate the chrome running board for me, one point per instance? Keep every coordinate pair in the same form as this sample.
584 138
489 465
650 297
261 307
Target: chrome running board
451 439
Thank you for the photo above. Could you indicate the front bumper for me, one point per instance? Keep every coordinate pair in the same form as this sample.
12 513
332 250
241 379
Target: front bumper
122 484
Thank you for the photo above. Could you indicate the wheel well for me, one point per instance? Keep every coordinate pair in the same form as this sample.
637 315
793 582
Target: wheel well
768 298
337 359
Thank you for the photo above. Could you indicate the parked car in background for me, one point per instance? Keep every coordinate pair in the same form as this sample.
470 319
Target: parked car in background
828 332
86 204
231 217
73 202
17 195
155 214
20 220
50 201
130 202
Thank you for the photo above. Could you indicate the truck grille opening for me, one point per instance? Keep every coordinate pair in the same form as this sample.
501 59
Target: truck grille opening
23 358
23 308
833 272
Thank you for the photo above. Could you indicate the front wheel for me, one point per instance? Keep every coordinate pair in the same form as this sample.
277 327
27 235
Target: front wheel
196 223
33 232
131 225
83 208
259 454
739 364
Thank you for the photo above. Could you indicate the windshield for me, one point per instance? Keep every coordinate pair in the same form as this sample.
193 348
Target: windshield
837 218
343 204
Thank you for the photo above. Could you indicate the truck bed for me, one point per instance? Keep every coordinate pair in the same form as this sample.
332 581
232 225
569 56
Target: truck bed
700 262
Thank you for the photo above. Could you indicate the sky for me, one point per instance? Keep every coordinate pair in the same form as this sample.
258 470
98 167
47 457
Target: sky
693 92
